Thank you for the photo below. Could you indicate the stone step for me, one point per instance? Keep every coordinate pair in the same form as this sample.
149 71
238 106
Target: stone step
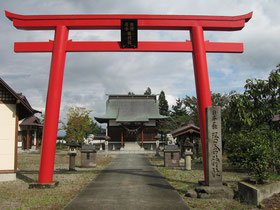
132 146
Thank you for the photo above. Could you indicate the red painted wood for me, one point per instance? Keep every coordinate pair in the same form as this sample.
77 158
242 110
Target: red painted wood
28 138
12 16
145 22
53 106
61 23
102 46
202 84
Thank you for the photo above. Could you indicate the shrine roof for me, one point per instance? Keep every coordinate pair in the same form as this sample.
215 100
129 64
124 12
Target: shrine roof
33 120
187 128
131 108
25 109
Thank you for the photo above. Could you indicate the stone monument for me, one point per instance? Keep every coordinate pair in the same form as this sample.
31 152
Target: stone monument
214 186
88 156
171 152
214 146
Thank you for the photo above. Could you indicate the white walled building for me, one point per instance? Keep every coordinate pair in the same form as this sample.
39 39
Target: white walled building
13 107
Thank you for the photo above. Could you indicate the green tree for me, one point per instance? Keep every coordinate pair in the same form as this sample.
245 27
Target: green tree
253 111
131 93
259 102
148 92
250 150
179 109
94 128
163 104
78 124
191 108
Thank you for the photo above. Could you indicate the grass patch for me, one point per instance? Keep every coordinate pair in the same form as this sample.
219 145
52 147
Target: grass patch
183 181
16 195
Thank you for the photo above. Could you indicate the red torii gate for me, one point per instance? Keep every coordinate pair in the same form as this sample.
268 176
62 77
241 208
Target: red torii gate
63 23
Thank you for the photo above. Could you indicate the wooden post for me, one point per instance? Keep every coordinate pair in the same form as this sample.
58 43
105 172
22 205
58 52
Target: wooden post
142 138
37 139
122 138
16 140
27 138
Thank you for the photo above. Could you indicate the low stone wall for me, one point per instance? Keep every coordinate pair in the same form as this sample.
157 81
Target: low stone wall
255 194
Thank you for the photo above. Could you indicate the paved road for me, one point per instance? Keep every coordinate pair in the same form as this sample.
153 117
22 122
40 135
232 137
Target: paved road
128 182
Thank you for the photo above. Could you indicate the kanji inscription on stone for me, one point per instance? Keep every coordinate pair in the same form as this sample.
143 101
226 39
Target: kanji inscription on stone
214 146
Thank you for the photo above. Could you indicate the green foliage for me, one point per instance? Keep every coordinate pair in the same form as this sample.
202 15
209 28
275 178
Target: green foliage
250 150
254 140
163 104
78 124
148 92
179 109
259 103
131 93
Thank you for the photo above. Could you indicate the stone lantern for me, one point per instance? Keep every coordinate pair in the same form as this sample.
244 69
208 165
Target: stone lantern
72 154
157 146
188 146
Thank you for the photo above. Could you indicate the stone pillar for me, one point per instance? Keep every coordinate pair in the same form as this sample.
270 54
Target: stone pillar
106 146
188 160
72 154
157 148
214 146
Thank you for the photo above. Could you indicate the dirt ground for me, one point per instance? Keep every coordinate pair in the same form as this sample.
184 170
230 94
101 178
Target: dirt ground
272 203
16 195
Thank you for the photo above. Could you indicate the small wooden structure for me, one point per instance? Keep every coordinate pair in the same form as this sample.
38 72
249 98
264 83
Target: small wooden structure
29 133
186 137
13 107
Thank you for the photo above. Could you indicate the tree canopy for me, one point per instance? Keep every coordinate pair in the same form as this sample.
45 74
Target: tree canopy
79 124
148 92
163 104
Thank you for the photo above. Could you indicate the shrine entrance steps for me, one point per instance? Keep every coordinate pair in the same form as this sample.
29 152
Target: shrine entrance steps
129 182
132 146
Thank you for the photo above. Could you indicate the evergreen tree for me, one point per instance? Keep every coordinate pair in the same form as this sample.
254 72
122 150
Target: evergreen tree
148 92
163 104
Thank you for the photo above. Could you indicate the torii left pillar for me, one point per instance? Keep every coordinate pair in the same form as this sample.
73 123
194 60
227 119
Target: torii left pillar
53 104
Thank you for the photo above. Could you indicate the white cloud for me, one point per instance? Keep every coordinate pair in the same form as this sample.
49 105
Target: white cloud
89 76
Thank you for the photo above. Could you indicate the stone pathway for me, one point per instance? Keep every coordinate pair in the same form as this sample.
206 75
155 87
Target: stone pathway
128 182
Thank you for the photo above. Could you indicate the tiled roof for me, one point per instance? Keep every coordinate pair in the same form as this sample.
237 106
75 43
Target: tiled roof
187 128
131 108
31 121
25 108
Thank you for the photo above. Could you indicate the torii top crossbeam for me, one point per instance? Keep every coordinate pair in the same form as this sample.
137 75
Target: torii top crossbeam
63 23
113 22
145 22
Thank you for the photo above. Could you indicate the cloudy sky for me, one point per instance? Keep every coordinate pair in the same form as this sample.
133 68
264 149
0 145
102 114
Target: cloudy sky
90 76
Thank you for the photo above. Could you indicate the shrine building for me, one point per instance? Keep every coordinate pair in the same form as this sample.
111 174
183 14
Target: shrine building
131 119
13 108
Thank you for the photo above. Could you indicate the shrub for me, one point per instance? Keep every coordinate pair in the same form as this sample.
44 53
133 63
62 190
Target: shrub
251 150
